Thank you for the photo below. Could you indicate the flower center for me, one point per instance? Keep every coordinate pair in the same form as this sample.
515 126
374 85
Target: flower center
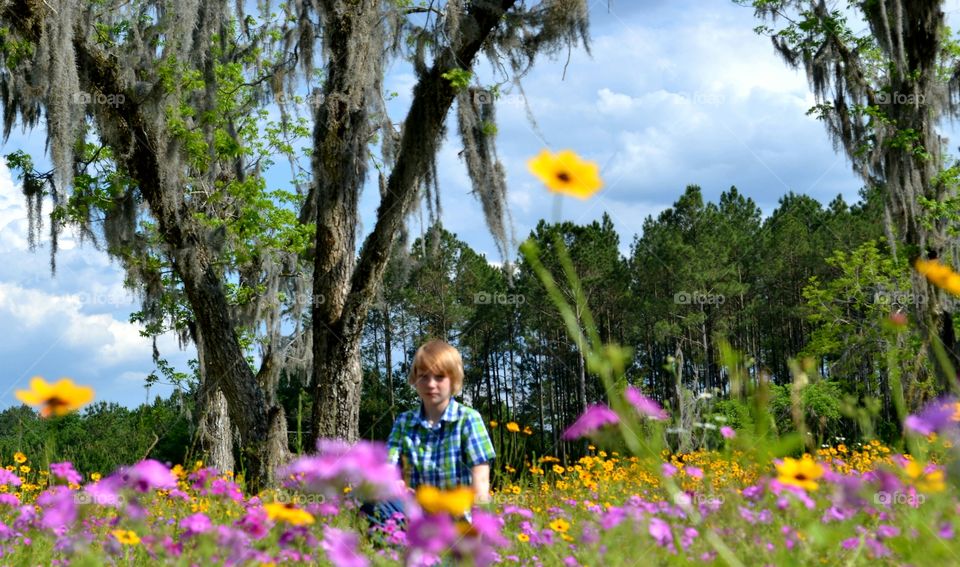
564 176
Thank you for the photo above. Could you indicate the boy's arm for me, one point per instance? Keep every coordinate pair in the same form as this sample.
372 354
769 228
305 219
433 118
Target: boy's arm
481 483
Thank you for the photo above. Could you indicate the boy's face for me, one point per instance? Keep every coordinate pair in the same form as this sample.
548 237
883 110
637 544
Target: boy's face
434 389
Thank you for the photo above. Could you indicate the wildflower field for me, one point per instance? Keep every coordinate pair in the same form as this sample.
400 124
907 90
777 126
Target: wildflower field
842 505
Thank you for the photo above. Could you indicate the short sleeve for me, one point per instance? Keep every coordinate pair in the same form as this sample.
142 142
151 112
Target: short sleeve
478 449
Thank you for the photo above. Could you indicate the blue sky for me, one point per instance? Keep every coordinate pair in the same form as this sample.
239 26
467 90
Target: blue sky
674 93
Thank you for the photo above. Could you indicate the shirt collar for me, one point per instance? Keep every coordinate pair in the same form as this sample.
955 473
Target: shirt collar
452 413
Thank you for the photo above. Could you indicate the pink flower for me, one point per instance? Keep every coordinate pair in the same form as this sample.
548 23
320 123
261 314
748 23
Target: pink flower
149 474
196 524
660 531
341 548
694 472
934 418
432 533
727 432
364 466
644 405
596 417
66 472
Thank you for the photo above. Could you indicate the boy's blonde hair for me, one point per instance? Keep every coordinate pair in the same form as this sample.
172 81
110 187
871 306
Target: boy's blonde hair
439 358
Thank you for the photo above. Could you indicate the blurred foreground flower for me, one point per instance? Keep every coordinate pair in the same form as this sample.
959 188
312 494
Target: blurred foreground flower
939 275
596 417
365 468
456 502
566 172
286 512
644 405
934 418
802 473
55 399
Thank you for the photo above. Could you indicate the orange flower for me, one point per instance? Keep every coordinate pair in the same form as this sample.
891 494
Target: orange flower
513 427
566 172
55 399
283 512
939 275
802 473
456 502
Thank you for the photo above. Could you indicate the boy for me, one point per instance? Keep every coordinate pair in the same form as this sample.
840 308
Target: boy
443 443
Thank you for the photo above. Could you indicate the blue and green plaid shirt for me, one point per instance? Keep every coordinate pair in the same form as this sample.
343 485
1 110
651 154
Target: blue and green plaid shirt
443 455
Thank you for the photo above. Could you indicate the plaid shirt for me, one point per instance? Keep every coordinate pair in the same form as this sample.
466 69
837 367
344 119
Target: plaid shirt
443 455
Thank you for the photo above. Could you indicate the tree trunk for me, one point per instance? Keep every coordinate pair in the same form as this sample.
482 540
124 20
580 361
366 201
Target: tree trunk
225 364
341 135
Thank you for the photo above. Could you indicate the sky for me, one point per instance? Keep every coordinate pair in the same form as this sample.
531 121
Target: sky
672 93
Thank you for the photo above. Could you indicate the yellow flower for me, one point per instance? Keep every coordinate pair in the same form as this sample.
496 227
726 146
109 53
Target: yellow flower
126 537
523 538
95 477
566 172
527 430
493 424
956 411
281 512
55 399
560 525
24 469
558 469
513 427
19 458
802 473
455 502
926 482
939 275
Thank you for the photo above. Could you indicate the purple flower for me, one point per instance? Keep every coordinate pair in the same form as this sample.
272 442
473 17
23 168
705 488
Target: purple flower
148 475
935 417
59 508
197 523
660 531
365 467
487 527
7 477
727 432
596 417
694 472
66 472
341 548
644 405
103 493
689 535
850 543
255 522
432 533
668 469
522 512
